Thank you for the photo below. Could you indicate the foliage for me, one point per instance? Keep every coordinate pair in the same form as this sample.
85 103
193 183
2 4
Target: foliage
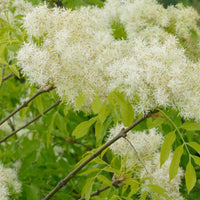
46 151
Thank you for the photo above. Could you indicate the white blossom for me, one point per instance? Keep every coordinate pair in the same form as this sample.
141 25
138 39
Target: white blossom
160 176
8 181
78 54
146 143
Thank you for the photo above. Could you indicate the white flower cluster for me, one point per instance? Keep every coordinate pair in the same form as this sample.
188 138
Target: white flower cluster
160 176
155 66
77 48
147 145
8 182
10 9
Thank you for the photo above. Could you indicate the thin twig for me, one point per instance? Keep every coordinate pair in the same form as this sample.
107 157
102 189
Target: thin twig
115 183
136 153
122 133
33 120
10 75
97 192
2 74
72 141
11 124
25 103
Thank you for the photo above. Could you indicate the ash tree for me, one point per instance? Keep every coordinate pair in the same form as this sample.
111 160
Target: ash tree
99 102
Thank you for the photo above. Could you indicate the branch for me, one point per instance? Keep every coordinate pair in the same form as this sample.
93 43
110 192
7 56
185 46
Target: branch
10 75
122 133
25 103
33 120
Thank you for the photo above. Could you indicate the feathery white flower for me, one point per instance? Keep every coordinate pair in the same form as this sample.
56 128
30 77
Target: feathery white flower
8 180
153 67
160 176
145 143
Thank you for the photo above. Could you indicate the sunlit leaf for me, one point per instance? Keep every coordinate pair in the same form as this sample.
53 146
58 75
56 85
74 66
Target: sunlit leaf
196 159
159 190
87 189
143 195
14 69
105 180
83 128
191 126
127 111
99 132
80 101
195 146
96 105
104 112
175 162
190 176
166 147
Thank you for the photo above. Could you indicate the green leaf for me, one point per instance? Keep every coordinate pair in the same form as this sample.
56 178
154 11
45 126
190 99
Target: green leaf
89 171
104 112
39 104
190 126
155 123
143 196
155 197
87 189
32 192
1 78
2 61
14 69
111 169
134 187
99 128
195 146
175 162
105 180
127 111
161 191
2 49
96 105
99 161
80 101
190 176
196 159
83 128
166 147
